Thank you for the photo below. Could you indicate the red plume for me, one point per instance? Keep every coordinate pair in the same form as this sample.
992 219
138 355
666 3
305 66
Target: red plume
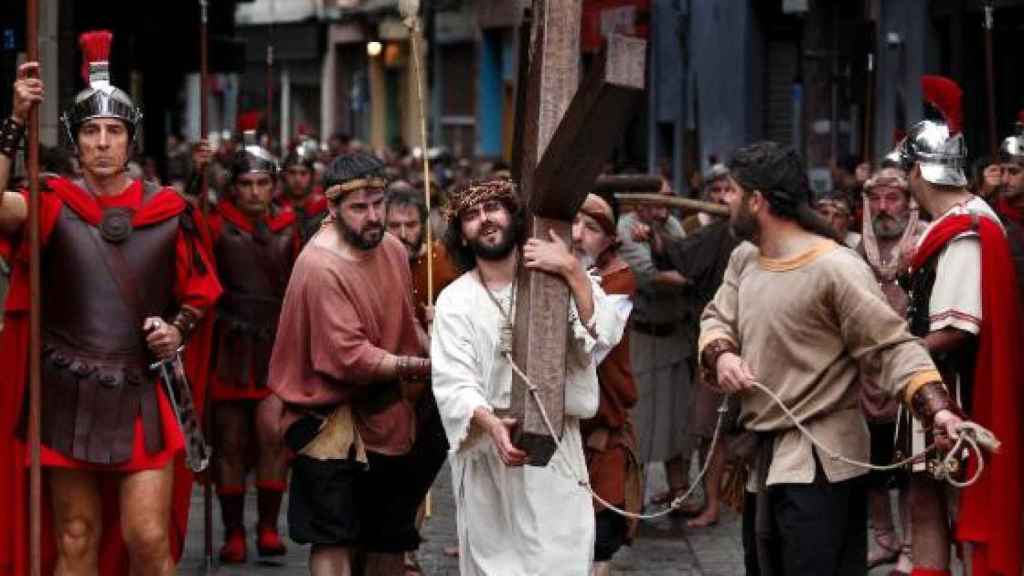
95 48
945 96
1020 119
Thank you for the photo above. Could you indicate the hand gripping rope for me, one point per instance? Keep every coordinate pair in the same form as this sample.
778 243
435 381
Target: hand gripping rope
970 436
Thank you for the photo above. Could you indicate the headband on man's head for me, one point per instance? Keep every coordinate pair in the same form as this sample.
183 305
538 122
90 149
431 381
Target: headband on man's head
601 211
468 195
888 177
373 183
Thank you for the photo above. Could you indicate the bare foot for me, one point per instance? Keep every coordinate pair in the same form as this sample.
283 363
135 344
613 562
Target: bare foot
707 518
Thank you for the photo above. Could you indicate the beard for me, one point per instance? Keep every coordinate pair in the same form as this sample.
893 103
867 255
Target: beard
888 227
490 252
743 225
366 239
413 247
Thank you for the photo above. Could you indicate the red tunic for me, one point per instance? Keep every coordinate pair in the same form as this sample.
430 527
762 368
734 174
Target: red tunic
276 222
609 436
195 286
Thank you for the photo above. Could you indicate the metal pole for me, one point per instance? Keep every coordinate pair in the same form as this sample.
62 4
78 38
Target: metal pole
990 77
35 396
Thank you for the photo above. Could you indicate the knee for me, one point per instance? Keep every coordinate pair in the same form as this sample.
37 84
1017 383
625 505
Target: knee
148 542
78 537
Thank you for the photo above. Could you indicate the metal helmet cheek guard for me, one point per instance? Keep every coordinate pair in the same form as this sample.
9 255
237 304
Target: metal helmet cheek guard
940 153
101 99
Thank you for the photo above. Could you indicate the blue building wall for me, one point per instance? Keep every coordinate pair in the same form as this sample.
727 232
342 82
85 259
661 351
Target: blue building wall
491 66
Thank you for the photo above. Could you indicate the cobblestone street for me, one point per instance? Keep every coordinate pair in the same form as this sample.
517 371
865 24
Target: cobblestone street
664 547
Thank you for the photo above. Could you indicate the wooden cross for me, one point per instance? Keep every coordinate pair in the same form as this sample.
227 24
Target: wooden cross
568 135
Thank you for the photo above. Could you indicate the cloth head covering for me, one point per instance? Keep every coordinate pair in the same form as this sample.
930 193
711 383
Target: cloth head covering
601 211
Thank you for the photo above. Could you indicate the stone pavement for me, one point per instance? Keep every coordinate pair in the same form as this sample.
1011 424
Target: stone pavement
664 547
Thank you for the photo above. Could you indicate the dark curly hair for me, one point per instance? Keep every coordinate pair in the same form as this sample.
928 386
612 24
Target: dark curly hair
462 254
777 172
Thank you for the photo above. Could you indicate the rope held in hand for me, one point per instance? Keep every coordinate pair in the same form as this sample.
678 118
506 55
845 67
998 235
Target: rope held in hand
970 435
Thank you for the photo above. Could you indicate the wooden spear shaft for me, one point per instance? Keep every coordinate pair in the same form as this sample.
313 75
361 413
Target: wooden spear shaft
686 203
990 77
35 396
413 23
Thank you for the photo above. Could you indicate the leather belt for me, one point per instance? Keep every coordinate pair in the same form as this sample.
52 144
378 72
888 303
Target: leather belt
656 329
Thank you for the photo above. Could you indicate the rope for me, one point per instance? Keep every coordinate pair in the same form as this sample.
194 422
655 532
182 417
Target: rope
970 435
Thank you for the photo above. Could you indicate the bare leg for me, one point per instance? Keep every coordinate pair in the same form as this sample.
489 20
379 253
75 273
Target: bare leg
930 538
602 569
232 421
882 529
906 561
378 564
712 485
676 472
273 460
78 521
145 520
330 561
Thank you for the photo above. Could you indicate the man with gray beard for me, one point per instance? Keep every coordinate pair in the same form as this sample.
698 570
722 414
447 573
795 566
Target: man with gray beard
891 230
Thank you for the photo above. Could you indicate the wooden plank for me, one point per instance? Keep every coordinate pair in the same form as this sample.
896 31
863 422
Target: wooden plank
567 137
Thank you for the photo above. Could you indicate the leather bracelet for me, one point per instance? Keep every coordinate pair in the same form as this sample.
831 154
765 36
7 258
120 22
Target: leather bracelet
412 368
185 321
929 400
709 357
11 135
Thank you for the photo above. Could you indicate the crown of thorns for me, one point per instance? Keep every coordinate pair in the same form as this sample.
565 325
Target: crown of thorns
473 193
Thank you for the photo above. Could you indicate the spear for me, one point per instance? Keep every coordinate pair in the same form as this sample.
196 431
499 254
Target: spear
410 15
35 397
990 78
204 207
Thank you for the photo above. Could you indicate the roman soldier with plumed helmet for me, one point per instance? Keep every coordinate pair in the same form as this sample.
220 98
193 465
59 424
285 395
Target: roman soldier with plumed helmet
125 280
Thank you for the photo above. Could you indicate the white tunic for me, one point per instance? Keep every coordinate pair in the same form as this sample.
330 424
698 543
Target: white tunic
514 521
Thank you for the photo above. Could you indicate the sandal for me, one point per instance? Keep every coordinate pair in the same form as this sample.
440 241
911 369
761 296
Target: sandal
888 551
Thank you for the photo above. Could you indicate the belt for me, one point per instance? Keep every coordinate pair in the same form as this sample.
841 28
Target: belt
656 329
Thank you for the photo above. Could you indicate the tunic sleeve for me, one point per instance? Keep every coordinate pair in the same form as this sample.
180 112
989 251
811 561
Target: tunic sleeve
956 297
871 328
585 349
636 254
456 381
719 317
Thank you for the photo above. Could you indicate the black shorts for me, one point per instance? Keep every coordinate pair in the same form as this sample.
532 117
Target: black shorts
610 535
340 502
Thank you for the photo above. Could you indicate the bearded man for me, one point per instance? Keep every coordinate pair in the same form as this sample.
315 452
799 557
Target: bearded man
891 230
513 519
609 438
349 365
1010 200
125 280
796 314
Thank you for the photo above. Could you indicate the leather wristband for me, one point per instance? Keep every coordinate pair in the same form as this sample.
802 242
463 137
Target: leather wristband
929 400
411 368
11 135
185 321
709 357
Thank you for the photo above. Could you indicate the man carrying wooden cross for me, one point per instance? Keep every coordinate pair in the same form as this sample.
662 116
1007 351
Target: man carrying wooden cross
513 519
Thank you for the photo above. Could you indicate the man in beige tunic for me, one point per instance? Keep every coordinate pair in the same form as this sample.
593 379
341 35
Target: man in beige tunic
796 313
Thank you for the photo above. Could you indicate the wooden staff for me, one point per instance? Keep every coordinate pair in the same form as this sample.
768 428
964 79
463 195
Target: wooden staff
410 14
35 397
990 78
270 77
204 208
675 201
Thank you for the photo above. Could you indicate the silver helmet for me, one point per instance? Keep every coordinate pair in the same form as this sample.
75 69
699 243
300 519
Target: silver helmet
101 99
252 158
1012 148
940 153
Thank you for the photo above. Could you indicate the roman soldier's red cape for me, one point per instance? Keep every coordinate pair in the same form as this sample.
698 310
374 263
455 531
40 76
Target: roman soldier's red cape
990 510
14 456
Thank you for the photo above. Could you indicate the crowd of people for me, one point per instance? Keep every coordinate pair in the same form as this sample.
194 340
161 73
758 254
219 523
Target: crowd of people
336 356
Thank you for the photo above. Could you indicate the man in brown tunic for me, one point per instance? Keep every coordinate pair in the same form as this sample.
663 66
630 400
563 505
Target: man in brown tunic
609 438
348 364
811 311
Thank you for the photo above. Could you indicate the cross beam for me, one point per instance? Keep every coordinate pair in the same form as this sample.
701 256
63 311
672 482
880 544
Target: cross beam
559 168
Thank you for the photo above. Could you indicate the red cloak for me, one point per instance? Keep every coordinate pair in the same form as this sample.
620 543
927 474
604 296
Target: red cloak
990 510
201 292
